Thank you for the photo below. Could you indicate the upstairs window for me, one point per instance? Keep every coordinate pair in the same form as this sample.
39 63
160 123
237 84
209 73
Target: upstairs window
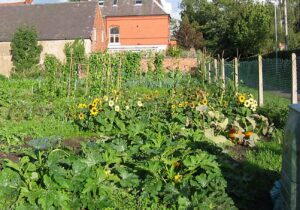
138 1
114 35
115 2
101 2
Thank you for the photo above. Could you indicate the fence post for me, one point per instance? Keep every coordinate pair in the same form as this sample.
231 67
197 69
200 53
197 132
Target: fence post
223 72
236 73
209 73
294 80
216 69
260 82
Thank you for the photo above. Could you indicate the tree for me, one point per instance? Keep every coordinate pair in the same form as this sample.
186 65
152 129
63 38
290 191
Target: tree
188 34
25 49
229 26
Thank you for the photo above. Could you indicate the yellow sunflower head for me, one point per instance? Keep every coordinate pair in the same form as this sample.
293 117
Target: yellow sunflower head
82 106
105 98
242 98
111 103
247 103
173 106
81 116
139 103
180 105
204 101
192 105
117 108
177 178
94 111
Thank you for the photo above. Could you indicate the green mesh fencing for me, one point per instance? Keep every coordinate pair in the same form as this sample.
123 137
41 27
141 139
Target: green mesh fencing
277 74
248 73
229 71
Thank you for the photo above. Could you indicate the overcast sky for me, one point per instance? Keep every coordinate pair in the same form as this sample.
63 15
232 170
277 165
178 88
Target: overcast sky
171 6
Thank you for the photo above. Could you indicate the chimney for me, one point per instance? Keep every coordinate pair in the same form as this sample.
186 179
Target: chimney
28 1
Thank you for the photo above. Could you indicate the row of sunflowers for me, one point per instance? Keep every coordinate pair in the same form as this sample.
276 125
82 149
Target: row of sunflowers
200 110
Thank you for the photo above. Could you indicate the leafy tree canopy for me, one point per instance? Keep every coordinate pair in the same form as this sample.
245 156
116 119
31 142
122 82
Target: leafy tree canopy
25 49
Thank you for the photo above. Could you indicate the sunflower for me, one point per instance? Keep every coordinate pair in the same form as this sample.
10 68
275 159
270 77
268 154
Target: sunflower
204 101
173 106
82 106
105 98
139 103
186 103
192 105
94 103
180 105
253 107
251 100
127 107
81 116
178 178
94 111
111 103
242 98
247 103
117 108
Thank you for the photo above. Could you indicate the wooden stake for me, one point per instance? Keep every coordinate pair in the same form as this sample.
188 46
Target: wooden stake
236 73
294 79
209 73
260 82
223 72
216 69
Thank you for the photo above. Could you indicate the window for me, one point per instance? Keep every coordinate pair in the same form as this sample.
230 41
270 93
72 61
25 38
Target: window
103 36
114 35
138 1
115 2
101 2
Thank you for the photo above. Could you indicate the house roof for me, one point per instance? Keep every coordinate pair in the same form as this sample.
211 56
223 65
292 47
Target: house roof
52 21
128 8
16 2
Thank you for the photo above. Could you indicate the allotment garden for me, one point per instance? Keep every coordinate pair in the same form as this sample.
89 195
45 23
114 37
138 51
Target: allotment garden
100 133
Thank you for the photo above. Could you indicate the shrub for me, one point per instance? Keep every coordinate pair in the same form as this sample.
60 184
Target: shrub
25 49
174 52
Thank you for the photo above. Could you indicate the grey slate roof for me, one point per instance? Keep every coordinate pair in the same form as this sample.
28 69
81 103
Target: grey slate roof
52 21
128 8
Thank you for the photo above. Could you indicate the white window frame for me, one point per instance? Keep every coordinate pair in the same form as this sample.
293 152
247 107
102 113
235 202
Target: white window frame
138 2
101 3
114 36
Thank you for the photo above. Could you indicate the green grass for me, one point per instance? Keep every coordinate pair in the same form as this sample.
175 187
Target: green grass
270 97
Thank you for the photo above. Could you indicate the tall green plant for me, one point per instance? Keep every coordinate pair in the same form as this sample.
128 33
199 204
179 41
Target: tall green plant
25 49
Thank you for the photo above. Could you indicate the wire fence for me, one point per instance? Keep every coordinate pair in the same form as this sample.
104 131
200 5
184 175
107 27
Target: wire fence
277 81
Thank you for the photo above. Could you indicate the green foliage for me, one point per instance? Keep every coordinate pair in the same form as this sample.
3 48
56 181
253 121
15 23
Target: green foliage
174 52
230 26
189 35
25 49
117 173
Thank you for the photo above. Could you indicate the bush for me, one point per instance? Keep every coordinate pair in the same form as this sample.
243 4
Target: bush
276 114
174 52
25 50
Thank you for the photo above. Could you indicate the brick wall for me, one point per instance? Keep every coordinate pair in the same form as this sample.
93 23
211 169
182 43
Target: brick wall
183 64
99 43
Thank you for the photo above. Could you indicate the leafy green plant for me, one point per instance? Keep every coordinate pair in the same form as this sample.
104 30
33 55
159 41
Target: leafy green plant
25 49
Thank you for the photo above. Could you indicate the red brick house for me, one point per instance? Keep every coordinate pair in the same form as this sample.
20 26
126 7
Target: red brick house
135 25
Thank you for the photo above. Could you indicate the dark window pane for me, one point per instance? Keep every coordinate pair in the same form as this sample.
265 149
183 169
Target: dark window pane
114 30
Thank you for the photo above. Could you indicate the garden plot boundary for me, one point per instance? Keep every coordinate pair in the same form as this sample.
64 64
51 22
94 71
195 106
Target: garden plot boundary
278 76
